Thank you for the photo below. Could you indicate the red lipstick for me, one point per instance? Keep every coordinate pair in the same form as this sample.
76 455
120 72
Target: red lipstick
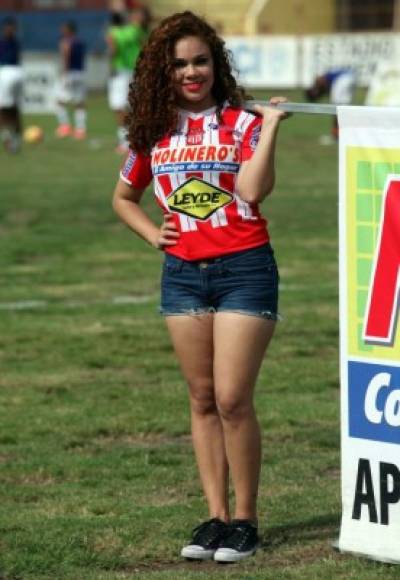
193 87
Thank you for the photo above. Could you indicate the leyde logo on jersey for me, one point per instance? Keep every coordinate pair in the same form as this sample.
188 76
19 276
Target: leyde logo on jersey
198 199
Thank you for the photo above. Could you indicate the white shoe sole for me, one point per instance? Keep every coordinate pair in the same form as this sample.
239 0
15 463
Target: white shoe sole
229 555
194 552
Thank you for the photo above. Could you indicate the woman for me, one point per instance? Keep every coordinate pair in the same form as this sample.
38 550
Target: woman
212 163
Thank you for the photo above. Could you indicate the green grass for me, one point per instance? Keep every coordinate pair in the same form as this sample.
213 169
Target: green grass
96 468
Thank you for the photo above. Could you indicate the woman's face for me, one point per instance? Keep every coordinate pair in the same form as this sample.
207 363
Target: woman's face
193 74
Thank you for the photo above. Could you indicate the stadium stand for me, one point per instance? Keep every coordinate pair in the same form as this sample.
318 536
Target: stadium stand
39 21
227 17
233 17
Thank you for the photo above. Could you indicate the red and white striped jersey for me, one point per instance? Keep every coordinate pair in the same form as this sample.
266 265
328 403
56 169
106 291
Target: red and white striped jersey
194 171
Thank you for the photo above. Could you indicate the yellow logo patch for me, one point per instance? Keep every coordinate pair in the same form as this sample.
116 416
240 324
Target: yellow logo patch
198 199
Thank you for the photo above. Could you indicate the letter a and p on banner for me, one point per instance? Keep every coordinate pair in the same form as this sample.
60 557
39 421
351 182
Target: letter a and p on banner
369 200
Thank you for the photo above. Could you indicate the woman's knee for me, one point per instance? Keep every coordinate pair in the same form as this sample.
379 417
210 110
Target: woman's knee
233 408
202 398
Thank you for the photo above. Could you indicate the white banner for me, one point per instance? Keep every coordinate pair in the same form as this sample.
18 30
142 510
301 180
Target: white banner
41 74
295 61
39 87
361 52
266 61
369 171
384 89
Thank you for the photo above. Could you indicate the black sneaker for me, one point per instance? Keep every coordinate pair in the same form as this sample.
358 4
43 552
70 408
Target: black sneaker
240 542
205 540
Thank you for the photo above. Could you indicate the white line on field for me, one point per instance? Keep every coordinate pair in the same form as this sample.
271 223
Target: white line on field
37 304
121 300
23 305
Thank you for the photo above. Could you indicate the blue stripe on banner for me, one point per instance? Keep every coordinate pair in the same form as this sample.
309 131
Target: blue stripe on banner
196 166
374 402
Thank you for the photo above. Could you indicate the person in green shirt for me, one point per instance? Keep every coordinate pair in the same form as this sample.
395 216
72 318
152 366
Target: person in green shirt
124 40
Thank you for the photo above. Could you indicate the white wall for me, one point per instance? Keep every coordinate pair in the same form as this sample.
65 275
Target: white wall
289 62
262 61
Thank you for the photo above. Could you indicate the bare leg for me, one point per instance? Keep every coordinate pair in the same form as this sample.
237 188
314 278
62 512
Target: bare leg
64 128
122 139
80 119
11 118
120 118
11 128
192 337
239 346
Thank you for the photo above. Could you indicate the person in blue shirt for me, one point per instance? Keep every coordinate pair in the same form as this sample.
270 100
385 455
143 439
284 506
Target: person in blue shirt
71 89
10 87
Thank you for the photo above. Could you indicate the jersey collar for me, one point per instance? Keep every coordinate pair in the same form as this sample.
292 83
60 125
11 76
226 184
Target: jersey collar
189 114
192 115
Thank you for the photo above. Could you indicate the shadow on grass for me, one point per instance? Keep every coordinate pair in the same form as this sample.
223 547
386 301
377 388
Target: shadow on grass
317 528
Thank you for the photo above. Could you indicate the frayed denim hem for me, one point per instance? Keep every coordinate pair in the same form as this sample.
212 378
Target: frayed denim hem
189 311
266 314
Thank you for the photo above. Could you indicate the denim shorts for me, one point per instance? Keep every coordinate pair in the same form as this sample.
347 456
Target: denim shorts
245 282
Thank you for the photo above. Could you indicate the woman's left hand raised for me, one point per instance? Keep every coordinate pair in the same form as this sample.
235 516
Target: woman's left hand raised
270 111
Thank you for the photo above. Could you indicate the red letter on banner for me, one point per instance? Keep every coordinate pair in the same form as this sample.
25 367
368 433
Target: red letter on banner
385 284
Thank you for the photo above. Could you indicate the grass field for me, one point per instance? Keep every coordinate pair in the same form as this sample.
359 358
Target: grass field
98 479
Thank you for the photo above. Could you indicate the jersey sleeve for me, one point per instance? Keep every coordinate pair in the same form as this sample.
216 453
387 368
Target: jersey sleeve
250 138
136 170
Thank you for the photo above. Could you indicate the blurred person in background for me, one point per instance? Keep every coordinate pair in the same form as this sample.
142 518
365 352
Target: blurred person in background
11 82
72 88
338 85
125 39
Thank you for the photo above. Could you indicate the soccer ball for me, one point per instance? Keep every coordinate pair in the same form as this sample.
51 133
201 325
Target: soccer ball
33 134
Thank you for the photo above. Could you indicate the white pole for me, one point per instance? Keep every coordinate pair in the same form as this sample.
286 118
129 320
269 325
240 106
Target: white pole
307 108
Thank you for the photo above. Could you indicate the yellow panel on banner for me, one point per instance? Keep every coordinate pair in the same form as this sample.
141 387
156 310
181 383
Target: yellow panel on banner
367 171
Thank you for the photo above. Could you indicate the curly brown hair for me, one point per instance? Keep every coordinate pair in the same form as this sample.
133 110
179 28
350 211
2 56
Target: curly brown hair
152 100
